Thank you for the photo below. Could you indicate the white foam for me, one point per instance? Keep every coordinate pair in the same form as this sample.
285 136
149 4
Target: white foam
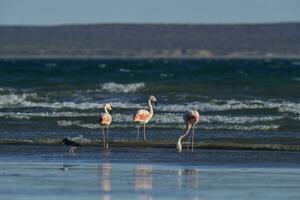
237 119
163 119
21 101
122 88
30 100
289 107
23 115
81 106
176 118
242 127
66 123
215 105
8 100
124 70
101 65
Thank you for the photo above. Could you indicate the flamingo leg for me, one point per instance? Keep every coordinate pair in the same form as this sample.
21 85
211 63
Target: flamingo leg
107 136
103 137
144 132
193 133
188 145
138 132
72 151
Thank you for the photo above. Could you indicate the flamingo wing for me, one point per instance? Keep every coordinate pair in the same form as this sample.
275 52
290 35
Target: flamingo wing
105 119
142 116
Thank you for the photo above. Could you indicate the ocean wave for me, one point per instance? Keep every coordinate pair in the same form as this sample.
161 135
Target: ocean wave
14 99
169 118
20 101
289 107
242 127
7 90
161 118
238 119
23 115
24 100
81 124
113 87
124 70
221 105
216 105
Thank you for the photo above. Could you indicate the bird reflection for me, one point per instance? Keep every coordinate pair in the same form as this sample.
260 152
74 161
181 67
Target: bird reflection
106 184
189 178
143 180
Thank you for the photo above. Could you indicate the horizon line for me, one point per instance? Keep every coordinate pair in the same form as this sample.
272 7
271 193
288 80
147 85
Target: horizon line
149 23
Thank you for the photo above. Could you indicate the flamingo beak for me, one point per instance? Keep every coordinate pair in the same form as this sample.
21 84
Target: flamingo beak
155 103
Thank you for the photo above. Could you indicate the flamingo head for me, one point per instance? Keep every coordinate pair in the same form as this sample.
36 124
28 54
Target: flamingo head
153 99
179 146
108 106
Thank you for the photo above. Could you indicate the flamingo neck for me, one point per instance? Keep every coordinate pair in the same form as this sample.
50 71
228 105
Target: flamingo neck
185 134
105 109
150 107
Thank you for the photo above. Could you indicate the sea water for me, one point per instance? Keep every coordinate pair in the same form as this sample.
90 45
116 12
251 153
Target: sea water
251 101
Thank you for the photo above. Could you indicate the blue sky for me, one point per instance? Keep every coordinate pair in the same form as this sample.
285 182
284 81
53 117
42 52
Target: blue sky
50 12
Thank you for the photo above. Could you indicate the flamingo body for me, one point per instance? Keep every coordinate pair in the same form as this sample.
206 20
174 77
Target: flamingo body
105 119
191 117
142 116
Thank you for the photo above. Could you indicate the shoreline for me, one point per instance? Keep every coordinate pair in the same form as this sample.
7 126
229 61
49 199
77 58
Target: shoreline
163 144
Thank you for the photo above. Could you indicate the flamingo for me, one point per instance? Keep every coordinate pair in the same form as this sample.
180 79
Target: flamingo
143 116
105 120
191 118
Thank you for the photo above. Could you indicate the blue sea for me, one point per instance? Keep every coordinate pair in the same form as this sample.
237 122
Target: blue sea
248 136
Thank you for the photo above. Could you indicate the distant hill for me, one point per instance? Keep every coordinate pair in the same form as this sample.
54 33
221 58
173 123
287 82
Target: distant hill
151 40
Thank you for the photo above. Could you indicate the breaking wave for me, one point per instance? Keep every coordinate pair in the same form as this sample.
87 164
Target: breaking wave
25 100
7 100
81 124
221 105
32 100
113 87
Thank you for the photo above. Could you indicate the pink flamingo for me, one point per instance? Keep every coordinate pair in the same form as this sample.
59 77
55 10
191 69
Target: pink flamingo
105 120
191 118
143 116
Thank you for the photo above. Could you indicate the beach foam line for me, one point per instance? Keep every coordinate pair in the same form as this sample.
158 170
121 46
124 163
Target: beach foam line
162 144
179 126
28 100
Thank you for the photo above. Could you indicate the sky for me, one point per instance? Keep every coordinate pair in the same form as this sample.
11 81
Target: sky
53 12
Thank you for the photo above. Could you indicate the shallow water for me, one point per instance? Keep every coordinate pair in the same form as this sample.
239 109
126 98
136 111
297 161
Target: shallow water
48 172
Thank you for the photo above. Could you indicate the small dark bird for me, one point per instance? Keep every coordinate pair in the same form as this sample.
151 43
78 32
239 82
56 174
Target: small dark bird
71 144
